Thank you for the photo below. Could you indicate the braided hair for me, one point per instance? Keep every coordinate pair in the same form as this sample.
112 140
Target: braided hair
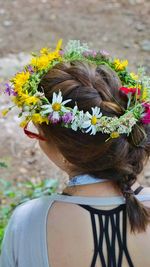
119 160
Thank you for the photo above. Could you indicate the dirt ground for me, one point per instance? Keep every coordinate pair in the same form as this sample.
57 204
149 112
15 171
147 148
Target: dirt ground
121 27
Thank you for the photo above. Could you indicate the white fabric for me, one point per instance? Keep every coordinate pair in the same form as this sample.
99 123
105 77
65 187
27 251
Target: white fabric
25 240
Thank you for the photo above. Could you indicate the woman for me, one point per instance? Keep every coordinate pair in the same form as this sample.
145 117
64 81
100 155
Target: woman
102 217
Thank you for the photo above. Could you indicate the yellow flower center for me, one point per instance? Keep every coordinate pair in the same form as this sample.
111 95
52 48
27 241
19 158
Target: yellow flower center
93 120
56 106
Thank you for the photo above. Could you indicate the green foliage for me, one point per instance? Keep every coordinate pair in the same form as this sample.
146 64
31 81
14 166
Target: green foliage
14 193
3 164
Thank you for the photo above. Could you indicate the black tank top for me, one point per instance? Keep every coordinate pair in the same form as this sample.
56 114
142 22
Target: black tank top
112 233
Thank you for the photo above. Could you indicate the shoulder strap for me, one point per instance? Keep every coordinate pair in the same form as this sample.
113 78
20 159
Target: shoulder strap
102 201
138 190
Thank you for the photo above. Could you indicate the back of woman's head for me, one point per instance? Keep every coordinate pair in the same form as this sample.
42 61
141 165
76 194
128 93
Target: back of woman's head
119 159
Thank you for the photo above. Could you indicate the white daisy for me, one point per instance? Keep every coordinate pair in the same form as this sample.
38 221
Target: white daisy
91 120
56 106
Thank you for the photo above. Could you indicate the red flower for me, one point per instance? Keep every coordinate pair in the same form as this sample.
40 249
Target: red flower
127 90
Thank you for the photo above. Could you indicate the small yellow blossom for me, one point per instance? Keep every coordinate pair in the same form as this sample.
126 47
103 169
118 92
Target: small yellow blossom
134 76
144 95
120 65
114 135
45 51
37 118
24 123
59 45
5 111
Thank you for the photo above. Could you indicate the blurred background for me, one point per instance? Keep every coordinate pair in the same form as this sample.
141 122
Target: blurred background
121 27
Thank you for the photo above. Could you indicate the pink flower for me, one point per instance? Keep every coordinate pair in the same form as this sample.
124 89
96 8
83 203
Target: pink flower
146 118
127 90
67 118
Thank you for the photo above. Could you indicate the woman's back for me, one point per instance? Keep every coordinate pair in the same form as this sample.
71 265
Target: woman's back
85 233
57 231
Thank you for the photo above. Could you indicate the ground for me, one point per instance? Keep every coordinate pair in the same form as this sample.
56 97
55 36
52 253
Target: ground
121 27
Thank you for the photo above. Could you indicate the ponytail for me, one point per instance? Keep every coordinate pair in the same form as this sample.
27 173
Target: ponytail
138 214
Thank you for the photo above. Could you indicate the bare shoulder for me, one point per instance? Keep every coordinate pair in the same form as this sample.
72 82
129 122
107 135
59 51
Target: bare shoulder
145 190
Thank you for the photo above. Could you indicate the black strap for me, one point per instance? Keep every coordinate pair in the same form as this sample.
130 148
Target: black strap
138 190
116 241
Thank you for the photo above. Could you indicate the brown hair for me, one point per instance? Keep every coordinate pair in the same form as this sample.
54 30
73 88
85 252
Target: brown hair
120 159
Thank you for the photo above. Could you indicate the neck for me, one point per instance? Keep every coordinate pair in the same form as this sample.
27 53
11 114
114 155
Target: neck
104 189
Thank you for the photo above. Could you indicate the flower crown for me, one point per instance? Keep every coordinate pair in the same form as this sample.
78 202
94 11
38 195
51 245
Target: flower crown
35 107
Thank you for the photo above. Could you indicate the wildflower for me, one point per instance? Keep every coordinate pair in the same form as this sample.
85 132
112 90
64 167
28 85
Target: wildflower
67 117
120 65
24 123
59 44
41 62
5 111
114 135
9 90
37 118
127 90
104 53
54 117
30 69
144 94
134 76
56 107
78 118
44 51
146 117
21 79
92 120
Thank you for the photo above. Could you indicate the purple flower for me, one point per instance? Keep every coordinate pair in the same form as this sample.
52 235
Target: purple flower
94 53
67 117
61 52
86 53
54 117
104 53
30 69
9 90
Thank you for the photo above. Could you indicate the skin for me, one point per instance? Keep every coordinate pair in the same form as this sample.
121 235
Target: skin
97 190
60 228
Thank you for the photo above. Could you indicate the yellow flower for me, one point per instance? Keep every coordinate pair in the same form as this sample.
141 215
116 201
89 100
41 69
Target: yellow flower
24 123
45 51
40 62
114 135
31 100
59 44
43 61
120 65
134 76
37 118
5 111
25 99
144 95
20 79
